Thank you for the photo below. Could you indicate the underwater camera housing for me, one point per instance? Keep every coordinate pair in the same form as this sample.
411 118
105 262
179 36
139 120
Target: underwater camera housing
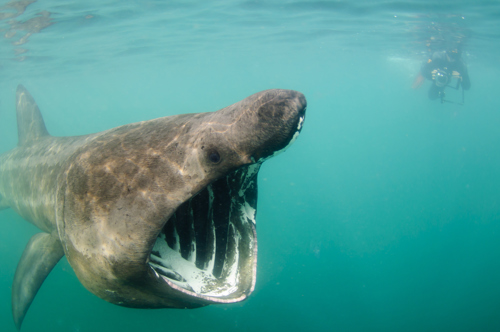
442 78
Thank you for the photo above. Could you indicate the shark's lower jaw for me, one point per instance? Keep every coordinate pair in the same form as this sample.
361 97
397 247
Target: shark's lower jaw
208 248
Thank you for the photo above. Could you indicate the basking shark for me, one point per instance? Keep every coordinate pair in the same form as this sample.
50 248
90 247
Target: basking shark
154 214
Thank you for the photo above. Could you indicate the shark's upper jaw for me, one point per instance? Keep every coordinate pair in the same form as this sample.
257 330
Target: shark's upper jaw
208 248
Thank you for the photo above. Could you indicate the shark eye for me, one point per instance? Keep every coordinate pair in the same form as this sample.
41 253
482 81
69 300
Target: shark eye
214 157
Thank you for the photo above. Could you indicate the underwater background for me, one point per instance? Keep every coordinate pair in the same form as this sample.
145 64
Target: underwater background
383 216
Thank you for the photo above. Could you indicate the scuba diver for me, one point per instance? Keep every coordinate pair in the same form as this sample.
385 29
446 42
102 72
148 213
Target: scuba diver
443 69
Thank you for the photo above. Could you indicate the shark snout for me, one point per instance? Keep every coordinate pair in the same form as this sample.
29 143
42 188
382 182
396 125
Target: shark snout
280 117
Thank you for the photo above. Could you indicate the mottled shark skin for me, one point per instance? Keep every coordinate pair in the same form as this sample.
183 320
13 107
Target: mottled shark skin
154 214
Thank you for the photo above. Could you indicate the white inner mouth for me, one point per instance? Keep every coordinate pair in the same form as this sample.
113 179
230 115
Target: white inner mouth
208 246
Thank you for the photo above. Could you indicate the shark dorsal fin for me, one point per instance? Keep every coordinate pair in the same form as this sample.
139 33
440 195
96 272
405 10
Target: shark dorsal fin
30 125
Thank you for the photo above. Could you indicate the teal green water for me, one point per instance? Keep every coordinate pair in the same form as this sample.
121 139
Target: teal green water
383 216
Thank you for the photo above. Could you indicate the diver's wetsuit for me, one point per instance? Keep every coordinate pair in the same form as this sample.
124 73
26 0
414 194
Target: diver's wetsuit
446 64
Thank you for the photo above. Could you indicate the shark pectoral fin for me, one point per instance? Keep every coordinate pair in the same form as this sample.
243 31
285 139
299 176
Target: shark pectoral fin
39 257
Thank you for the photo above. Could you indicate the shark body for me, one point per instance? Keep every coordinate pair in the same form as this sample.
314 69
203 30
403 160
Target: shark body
155 214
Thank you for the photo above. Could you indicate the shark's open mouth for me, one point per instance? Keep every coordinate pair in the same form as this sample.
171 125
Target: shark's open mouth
208 248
